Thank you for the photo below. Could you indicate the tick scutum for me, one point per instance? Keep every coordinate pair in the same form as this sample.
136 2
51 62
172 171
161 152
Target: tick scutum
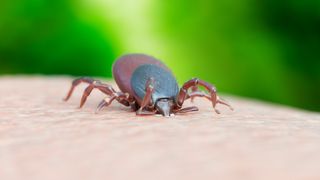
165 84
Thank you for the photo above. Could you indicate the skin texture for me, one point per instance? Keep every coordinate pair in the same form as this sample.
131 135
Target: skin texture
149 87
43 138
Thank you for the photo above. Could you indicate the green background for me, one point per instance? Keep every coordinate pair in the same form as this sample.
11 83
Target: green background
262 49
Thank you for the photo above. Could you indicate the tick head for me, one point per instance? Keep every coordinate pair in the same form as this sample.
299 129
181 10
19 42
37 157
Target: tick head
164 107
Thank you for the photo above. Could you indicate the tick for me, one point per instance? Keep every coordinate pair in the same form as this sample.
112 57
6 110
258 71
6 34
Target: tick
148 87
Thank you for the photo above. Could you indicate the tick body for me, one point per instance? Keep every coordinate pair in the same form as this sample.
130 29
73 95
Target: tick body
148 87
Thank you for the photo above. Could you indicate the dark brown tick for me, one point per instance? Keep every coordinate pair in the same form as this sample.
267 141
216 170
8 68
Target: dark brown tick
148 87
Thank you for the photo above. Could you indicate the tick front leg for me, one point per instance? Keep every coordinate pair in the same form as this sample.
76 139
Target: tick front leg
183 94
194 89
187 109
202 94
147 100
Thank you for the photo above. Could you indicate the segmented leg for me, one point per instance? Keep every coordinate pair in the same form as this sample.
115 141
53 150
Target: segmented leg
197 94
105 102
121 97
147 99
75 83
187 109
194 89
202 94
183 94
95 84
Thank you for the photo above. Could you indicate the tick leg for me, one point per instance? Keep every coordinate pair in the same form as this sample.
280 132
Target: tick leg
75 83
119 96
105 88
95 84
194 89
147 98
197 94
188 109
134 106
202 94
212 96
224 102
105 102
145 113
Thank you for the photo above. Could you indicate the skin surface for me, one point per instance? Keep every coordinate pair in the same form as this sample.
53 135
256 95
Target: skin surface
43 138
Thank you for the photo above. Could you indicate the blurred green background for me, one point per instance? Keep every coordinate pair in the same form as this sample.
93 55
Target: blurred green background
262 49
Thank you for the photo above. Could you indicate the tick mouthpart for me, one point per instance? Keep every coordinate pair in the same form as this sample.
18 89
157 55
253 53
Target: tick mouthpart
164 107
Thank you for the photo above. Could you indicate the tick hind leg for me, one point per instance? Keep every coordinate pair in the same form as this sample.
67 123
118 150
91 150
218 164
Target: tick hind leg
212 96
105 88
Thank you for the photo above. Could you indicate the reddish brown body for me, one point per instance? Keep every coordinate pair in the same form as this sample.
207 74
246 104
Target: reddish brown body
125 66
149 87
